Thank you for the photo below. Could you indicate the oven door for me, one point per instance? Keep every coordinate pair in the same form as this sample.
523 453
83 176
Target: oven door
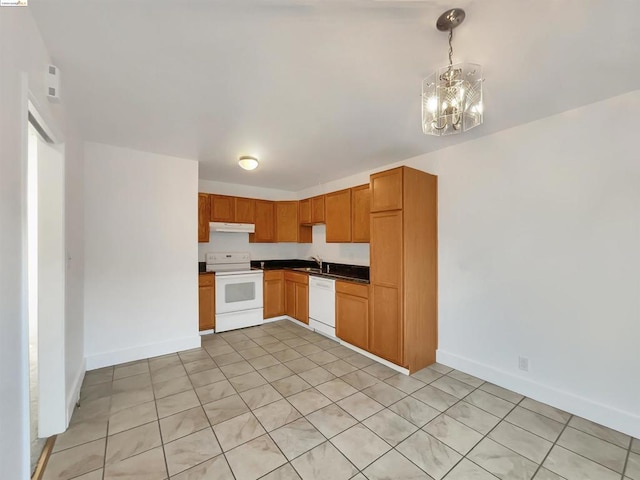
238 292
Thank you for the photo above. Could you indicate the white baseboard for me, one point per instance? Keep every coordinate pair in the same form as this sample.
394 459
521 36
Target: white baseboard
342 342
606 415
140 352
275 319
384 362
287 317
74 395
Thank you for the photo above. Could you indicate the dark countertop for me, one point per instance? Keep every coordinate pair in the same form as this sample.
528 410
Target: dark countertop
336 271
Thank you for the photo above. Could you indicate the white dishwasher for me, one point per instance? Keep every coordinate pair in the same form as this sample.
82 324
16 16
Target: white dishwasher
322 305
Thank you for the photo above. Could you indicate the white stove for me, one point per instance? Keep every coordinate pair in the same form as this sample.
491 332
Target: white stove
239 301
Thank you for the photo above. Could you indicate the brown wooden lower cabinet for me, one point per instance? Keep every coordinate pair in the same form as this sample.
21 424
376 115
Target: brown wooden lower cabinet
206 301
302 303
352 313
296 293
273 291
385 335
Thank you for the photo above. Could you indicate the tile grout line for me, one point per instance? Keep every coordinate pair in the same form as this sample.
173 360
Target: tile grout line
565 426
358 368
626 461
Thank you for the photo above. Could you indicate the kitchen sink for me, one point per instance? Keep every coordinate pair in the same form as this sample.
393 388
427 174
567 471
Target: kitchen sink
307 269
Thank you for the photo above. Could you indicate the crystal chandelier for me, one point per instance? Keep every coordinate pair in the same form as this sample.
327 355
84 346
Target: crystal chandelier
452 95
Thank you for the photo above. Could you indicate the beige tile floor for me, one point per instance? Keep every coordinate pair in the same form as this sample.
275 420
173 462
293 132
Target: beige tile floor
281 402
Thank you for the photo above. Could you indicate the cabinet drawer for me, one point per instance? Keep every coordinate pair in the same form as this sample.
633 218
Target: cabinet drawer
296 277
205 280
351 288
273 274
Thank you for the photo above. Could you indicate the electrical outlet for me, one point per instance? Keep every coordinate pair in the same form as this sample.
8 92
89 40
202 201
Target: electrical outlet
523 364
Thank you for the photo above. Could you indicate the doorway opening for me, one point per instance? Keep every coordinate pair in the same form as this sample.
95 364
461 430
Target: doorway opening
45 285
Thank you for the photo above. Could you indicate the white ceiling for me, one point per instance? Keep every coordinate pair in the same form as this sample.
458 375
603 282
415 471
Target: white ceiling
320 89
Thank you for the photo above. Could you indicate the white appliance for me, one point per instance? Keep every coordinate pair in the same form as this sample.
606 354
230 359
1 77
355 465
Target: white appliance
238 290
232 227
322 305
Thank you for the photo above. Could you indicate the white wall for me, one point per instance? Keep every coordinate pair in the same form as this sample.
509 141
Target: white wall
350 253
221 188
141 283
539 236
23 58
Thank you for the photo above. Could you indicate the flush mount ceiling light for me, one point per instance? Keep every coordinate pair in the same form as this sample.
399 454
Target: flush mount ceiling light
248 163
452 95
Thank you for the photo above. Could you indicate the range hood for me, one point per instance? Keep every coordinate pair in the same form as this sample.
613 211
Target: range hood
232 227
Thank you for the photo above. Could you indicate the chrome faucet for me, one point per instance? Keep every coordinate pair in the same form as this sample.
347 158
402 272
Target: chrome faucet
318 260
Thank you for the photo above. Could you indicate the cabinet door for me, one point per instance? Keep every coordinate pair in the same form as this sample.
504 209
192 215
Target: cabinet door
245 210
273 293
317 209
204 212
290 298
386 190
304 212
386 248
206 302
338 216
385 325
302 302
360 208
222 208
265 222
352 319
287 222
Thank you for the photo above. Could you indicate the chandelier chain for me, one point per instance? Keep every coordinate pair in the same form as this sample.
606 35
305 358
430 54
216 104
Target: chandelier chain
450 47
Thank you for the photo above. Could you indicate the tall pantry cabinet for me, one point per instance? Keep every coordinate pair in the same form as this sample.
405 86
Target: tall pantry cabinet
403 275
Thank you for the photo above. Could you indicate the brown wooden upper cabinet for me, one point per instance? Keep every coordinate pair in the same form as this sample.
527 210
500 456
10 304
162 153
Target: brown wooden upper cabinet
304 211
204 212
338 216
232 209
222 208
245 210
265 221
360 213
288 228
312 210
317 209
386 190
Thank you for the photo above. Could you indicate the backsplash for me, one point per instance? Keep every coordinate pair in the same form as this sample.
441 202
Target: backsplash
347 253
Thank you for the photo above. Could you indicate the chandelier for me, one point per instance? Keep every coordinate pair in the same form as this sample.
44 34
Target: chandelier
452 95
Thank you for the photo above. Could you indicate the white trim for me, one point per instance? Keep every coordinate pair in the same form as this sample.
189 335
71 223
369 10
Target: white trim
292 320
384 362
74 397
299 323
275 319
206 332
609 416
141 352
25 460
43 120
